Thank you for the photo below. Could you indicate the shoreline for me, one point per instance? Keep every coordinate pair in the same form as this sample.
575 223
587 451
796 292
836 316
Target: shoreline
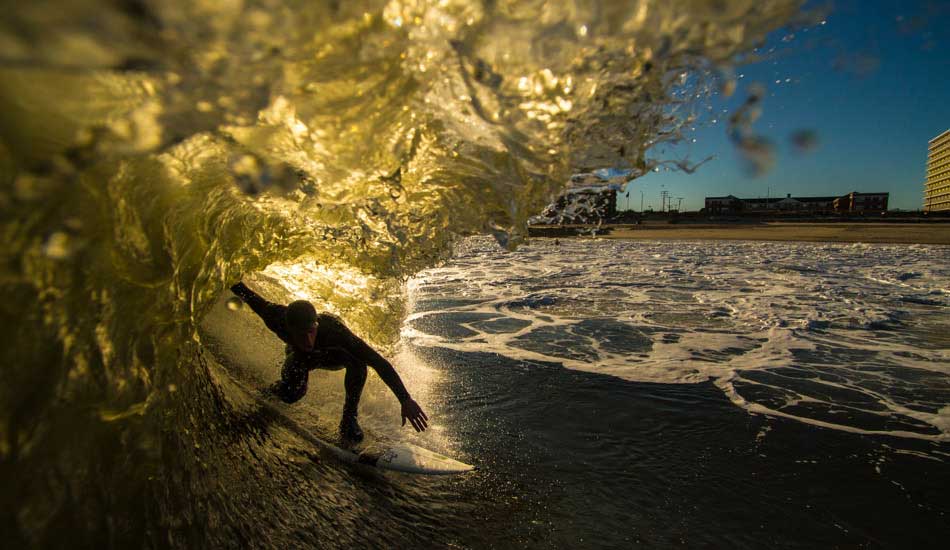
837 232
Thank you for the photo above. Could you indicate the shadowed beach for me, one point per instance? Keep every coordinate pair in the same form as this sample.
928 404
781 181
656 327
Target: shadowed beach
906 233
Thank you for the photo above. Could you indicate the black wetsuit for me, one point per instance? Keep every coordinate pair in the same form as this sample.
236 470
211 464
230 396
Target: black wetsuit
335 348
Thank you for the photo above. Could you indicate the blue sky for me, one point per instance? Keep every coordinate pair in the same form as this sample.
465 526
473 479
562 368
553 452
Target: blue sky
873 84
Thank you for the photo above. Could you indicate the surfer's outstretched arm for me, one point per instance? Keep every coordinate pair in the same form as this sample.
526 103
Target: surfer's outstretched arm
272 314
366 354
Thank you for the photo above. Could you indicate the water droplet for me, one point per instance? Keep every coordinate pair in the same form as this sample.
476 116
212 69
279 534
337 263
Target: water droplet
804 141
234 303
58 246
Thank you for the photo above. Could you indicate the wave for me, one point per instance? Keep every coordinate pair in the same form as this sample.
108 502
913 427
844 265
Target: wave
152 153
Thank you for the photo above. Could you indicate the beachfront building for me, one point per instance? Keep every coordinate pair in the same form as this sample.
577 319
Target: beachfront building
861 202
937 186
817 205
734 205
721 205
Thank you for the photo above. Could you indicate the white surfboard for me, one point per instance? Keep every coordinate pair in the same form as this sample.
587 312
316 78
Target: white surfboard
399 457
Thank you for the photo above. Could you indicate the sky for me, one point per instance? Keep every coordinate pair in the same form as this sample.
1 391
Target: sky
870 80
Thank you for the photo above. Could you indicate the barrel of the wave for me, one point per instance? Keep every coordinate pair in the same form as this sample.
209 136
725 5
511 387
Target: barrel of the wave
160 149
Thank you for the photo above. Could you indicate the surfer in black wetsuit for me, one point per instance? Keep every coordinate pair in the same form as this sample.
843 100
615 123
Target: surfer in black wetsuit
322 341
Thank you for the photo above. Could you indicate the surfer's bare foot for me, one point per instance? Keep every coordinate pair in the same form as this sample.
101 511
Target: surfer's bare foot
350 429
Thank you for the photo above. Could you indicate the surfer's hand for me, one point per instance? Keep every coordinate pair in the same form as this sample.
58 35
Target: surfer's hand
417 417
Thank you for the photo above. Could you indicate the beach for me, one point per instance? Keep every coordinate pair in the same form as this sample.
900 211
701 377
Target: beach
871 232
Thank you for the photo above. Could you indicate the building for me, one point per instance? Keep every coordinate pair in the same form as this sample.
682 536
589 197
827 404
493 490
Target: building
722 205
937 186
861 202
817 205
734 205
588 199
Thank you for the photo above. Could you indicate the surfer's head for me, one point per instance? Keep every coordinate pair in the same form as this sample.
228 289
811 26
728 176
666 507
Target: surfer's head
301 320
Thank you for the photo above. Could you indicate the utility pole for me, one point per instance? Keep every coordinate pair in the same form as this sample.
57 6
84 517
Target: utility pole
679 203
664 206
641 201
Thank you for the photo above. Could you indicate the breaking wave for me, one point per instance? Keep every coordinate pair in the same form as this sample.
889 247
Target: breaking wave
152 153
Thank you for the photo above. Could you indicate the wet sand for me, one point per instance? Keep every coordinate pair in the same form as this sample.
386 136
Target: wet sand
910 233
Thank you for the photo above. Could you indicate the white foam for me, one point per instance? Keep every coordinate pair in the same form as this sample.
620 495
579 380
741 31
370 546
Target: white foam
834 319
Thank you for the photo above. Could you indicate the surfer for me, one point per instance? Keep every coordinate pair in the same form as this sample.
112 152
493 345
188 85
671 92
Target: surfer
322 341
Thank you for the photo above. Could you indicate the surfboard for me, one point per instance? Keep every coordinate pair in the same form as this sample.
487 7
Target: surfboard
376 453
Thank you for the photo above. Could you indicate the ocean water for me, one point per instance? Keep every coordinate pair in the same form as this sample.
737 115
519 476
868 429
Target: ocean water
154 153
623 394
703 394
852 337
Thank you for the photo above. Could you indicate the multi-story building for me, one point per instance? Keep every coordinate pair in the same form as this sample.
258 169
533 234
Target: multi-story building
734 205
937 186
718 205
861 202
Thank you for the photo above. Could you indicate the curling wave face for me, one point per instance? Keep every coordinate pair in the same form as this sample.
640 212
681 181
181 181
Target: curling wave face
157 151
